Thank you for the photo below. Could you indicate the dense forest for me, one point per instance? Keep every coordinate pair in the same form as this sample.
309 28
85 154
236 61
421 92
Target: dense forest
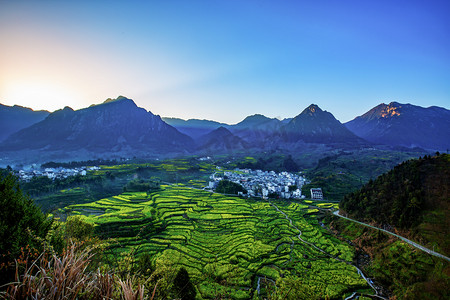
412 196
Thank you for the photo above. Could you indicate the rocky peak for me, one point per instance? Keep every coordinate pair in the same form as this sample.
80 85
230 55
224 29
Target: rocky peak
313 108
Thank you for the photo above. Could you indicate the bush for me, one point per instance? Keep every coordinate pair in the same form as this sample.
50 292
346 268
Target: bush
78 229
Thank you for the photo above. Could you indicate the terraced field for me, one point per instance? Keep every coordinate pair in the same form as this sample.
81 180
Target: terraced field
231 247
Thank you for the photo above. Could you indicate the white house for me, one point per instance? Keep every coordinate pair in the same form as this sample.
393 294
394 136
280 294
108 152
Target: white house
316 194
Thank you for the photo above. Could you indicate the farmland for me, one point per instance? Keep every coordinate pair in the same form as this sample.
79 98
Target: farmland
231 247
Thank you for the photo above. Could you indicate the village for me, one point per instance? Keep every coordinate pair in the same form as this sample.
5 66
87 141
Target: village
263 184
53 173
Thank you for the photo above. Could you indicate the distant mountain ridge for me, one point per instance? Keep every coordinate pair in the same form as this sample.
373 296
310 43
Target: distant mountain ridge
194 128
406 125
115 125
119 127
15 118
313 125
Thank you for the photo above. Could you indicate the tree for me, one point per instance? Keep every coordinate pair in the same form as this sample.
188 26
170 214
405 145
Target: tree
22 223
183 286
229 187
78 229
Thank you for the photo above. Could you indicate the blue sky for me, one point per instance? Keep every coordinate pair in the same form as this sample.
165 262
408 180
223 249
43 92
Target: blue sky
224 60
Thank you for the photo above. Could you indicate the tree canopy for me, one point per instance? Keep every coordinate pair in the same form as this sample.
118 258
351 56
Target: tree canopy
400 196
229 187
22 223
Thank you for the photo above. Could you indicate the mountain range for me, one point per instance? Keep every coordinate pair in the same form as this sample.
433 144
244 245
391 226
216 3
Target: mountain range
120 127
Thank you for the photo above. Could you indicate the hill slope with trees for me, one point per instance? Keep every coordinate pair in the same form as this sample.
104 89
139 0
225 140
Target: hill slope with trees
413 198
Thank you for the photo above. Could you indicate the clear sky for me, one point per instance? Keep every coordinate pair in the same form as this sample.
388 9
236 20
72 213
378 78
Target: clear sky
224 60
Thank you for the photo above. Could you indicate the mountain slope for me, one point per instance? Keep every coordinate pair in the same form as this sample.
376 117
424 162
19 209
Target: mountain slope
405 125
15 118
314 125
411 200
221 140
112 126
414 196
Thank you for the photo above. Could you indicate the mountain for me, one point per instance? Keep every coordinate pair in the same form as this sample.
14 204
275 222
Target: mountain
194 128
256 121
221 140
314 125
257 129
15 118
115 126
407 125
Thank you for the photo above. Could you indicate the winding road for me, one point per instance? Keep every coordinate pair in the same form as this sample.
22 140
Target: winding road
414 244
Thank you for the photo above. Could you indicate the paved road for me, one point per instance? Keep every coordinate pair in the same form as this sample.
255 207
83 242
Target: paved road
336 213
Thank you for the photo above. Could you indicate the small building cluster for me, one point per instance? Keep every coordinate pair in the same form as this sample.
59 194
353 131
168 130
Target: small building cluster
264 183
53 173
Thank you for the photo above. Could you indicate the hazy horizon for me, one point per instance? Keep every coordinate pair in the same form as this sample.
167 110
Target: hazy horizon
225 60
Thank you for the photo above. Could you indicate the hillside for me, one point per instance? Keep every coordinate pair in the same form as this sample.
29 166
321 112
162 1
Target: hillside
343 172
414 198
406 125
413 201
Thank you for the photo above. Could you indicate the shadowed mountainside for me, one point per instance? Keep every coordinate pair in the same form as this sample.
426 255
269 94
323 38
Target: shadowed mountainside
115 125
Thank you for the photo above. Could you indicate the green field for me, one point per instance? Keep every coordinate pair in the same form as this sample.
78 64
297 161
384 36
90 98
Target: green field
231 247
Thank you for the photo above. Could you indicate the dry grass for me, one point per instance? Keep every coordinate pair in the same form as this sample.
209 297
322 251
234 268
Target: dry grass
51 277
66 277
128 292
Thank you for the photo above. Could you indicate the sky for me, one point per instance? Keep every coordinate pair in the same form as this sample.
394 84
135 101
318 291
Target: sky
225 60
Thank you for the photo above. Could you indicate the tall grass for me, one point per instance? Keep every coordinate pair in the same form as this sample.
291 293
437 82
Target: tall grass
67 277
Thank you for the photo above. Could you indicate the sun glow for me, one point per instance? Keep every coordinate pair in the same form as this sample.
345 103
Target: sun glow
40 95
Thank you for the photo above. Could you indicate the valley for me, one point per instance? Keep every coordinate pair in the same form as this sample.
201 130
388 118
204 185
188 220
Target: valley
231 247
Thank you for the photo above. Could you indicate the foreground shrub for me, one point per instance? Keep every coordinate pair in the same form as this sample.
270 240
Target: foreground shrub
68 277
22 225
